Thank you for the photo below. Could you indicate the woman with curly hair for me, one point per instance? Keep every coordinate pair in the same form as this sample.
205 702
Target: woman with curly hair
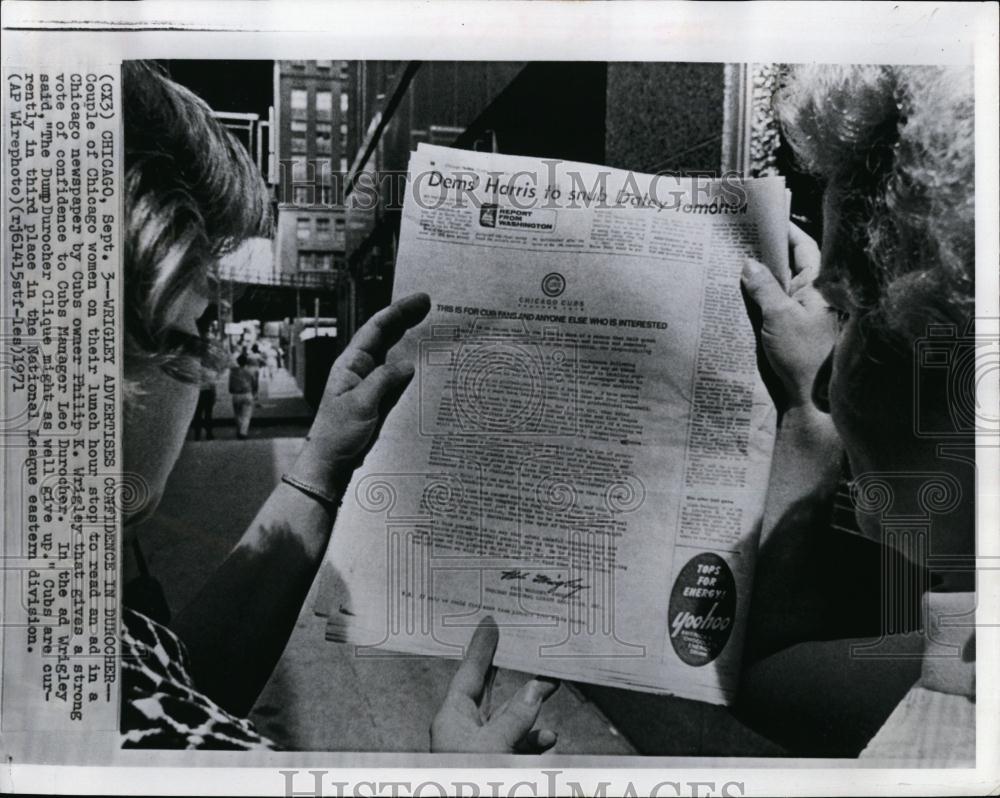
894 149
192 195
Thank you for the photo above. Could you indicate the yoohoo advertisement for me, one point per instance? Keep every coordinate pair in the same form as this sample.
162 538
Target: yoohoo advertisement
702 609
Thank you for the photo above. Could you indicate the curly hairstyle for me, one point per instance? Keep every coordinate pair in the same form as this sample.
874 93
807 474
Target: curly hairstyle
192 194
895 147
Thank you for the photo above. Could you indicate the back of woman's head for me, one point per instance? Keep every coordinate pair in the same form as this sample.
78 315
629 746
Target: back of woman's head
895 147
192 194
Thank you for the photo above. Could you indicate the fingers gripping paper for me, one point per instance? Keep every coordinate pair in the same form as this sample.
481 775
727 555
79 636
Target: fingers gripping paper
583 452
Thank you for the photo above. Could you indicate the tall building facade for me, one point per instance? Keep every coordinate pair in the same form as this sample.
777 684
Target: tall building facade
398 105
314 138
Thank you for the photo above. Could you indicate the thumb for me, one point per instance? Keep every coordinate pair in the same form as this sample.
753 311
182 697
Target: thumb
762 286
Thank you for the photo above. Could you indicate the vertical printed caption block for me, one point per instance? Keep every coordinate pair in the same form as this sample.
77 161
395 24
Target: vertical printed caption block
61 418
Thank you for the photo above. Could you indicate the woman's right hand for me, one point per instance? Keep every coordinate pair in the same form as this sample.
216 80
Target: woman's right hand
363 386
799 327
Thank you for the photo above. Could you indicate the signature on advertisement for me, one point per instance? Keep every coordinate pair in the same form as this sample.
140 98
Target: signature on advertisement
568 587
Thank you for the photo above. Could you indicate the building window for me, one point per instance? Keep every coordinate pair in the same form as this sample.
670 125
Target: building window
300 102
343 166
322 226
344 67
326 193
299 64
298 136
324 64
339 238
343 137
323 136
302 229
315 261
344 102
324 104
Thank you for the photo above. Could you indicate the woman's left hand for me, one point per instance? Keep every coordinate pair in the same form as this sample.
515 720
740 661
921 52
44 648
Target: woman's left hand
466 723
799 327
361 390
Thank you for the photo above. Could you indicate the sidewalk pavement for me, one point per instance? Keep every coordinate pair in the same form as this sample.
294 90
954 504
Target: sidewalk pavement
280 398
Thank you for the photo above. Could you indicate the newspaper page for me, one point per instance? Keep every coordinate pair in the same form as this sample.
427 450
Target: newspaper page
585 447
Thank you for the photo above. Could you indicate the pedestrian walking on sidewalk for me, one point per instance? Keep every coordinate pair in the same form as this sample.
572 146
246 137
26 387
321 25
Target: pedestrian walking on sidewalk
241 387
270 359
203 412
254 363
206 396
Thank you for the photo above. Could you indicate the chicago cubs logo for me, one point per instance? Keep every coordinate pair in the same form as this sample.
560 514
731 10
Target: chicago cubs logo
553 284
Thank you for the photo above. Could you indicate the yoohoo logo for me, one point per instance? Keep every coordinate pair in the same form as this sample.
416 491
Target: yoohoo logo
685 620
702 609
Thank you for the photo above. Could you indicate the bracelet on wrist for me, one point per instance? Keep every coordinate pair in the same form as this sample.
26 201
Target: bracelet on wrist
324 497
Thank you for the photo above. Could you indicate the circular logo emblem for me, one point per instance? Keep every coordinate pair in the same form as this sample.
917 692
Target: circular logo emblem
553 284
702 609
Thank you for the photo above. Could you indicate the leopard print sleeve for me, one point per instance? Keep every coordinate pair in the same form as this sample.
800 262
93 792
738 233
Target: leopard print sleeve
161 707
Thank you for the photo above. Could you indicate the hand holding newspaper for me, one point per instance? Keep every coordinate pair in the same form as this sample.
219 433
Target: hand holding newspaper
584 450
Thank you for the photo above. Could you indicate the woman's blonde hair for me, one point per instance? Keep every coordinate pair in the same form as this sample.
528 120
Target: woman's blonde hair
895 146
192 194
